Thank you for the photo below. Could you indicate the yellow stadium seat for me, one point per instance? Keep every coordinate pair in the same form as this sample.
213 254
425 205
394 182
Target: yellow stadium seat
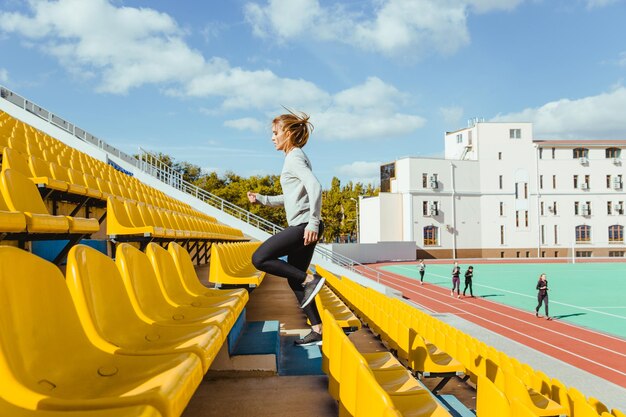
490 401
189 278
226 269
47 361
372 400
422 360
43 176
10 221
396 379
94 282
61 173
580 407
617 413
78 177
9 410
149 298
539 404
170 281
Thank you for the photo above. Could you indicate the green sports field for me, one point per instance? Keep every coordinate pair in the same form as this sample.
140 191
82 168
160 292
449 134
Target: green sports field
587 294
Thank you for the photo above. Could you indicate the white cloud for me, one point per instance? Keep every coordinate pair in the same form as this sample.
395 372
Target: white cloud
245 123
121 48
361 171
396 26
366 111
594 4
452 116
4 75
594 117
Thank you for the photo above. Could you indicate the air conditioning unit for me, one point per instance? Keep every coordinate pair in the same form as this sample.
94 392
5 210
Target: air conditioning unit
586 211
433 183
617 161
619 208
584 160
551 209
584 186
433 210
617 183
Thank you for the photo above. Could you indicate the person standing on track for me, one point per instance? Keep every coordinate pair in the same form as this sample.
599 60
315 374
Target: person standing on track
456 281
542 295
422 269
469 274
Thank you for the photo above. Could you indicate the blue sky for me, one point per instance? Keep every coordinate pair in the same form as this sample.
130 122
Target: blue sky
381 79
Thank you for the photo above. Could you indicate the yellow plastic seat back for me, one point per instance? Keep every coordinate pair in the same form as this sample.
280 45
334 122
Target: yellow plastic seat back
21 193
9 410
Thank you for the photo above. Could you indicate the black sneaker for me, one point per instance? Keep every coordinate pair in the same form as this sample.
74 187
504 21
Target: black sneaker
312 338
311 289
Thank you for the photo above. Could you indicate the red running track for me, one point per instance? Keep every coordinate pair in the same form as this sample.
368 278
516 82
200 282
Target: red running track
597 353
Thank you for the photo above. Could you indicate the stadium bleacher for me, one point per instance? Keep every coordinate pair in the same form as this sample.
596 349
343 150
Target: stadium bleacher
134 335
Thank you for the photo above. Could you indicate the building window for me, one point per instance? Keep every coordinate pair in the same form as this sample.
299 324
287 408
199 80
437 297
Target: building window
469 137
541 182
430 235
616 254
425 208
515 133
608 181
528 254
616 233
516 191
575 181
501 208
543 253
613 152
459 138
501 254
541 208
556 236
502 235
554 182
583 233
581 153
526 217
619 207
517 218
387 173
543 234
554 208
499 155
424 180
583 254
588 181
587 208
540 153
526 191
576 206
553 153
500 181
609 207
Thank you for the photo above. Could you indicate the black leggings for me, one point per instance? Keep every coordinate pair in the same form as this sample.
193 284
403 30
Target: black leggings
468 284
289 242
541 298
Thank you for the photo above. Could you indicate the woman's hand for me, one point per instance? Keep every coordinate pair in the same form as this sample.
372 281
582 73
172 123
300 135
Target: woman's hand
309 237
252 197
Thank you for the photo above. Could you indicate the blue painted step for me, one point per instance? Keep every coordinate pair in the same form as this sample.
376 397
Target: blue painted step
255 338
454 406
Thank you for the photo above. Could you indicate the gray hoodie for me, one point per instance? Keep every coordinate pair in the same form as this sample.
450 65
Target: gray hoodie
302 192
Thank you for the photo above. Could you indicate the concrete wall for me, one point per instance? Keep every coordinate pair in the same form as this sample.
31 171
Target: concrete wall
376 252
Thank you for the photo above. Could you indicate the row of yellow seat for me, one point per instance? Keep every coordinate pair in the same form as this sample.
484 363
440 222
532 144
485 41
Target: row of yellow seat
434 348
372 384
130 337
326 299
45 157
70 172
22 210
132 218
231 264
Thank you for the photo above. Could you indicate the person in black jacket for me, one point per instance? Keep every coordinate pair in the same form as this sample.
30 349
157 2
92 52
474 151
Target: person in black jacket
468 280
542 295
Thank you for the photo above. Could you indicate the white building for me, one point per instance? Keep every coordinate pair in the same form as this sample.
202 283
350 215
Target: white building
500 194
